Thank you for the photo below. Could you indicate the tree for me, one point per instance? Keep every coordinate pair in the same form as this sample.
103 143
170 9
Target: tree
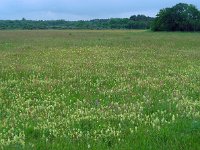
141 18
181 17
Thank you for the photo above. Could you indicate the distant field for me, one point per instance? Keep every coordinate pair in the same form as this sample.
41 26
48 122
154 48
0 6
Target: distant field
99 90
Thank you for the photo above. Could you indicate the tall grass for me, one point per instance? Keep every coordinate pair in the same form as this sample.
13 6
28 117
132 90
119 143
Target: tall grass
99 90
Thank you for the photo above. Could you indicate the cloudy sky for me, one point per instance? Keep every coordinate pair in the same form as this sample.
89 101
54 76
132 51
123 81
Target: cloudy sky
82 9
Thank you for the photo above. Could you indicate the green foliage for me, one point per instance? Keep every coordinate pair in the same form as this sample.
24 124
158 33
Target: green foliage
181 17
141 22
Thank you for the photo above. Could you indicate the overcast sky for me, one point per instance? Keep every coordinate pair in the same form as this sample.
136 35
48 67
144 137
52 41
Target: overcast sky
82 9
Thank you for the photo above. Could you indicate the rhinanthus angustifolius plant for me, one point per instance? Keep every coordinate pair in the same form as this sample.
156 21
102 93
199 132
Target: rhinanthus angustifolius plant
97 86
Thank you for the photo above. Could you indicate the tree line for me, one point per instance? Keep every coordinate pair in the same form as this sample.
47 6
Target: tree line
134 22
181 17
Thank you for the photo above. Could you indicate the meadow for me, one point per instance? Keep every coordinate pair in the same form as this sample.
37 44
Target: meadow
92 89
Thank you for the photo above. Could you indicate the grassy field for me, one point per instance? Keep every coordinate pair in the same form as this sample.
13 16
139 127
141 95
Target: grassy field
99 90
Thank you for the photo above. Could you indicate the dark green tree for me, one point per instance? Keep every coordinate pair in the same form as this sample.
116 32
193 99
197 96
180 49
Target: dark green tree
181 17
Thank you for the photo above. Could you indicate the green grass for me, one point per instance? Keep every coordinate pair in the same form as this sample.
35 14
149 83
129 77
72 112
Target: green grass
99 90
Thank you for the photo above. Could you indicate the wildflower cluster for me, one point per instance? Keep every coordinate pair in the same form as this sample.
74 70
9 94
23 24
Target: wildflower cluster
83 88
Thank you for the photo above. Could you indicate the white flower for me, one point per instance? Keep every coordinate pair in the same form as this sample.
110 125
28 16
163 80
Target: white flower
173 118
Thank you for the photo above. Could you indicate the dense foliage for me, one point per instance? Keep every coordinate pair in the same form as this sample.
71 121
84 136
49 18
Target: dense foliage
181 17
134 22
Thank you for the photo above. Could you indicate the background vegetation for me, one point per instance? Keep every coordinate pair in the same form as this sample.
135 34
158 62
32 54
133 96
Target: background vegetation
134 22
181 17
